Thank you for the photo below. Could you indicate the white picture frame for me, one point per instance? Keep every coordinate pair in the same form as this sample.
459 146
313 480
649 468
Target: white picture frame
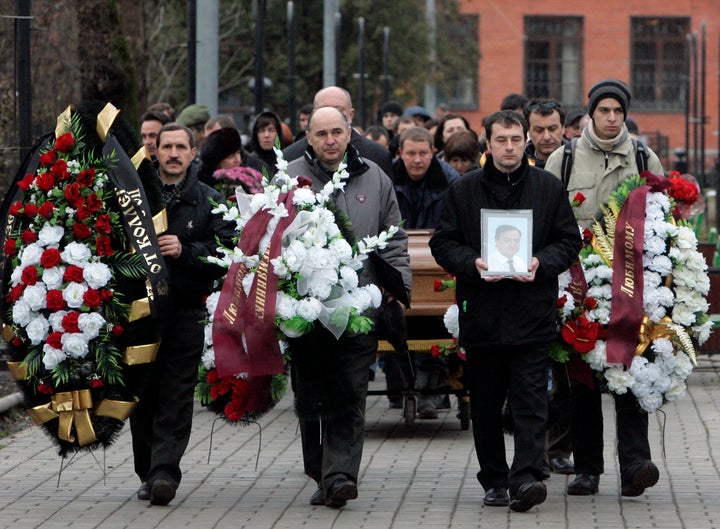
506 241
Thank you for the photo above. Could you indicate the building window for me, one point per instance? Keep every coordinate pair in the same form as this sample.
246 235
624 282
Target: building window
657 62
553 58
459 90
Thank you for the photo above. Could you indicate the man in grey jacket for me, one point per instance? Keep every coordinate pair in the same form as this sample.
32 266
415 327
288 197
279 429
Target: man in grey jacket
329 376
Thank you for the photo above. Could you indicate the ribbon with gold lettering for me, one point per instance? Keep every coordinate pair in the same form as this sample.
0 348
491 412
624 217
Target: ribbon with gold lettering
627 283
244 335
71 408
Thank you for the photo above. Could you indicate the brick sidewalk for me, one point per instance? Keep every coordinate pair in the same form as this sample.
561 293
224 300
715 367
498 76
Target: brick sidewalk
420 477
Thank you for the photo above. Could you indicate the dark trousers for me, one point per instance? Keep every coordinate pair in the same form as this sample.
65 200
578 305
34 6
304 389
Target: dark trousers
334 432
559 412
587 430
162 420
519 373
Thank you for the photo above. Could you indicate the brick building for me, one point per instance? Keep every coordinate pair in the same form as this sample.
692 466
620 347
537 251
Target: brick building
559 49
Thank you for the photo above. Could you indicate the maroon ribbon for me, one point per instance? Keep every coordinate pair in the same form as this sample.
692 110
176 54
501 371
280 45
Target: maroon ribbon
627 284
578 369
251 315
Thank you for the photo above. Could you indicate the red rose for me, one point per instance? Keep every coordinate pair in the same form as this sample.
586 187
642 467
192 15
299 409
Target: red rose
117 330
55 301
578 199
65 142
103 224
15 292
28 236
87 177
591 302
103 246
44 388
437 285
26 182
72 195
91 298
96 383
46 181
10 247
16 208
81 231
54 339
30 210
60 170
106 294
234 411
17 342
561 301
50 257
47 159
94 203
83 212
435 350
73 274
46 209
29 275
70 322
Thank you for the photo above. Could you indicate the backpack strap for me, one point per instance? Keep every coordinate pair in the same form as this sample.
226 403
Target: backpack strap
567 161
641 155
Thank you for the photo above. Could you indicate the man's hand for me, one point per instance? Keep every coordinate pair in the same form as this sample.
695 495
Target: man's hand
481 267
534 264
170 246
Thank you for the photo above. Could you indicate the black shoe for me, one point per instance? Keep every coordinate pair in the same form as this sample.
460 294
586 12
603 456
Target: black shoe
529 494
318 497
340 492
161 492
497 497
562 465
583 485
640 477
143 492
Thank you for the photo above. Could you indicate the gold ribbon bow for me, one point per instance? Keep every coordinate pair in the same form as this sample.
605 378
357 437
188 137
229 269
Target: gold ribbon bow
665 328
71 408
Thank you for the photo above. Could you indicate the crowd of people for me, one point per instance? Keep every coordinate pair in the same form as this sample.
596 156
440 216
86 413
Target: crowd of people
425 171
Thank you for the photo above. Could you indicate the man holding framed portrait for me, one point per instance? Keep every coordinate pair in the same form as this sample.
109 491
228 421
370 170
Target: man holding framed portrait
507 317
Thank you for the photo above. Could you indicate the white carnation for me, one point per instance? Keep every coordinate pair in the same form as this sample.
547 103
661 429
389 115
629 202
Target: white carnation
55 320
348 278
286 306
35 296
52 357
30 255
309 309
619 380
451 321
212 301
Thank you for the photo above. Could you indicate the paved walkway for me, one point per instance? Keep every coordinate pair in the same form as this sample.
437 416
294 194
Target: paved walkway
421 477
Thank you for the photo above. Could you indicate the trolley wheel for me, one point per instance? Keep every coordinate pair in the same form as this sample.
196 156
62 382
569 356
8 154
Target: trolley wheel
410 410
464 413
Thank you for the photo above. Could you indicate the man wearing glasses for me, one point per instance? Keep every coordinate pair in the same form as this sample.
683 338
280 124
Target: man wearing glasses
545 119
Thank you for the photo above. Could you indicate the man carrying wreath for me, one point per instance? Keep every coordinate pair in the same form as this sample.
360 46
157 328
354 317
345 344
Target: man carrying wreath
329 375
604 156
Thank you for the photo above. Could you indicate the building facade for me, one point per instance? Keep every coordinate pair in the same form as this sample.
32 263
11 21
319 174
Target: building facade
559 49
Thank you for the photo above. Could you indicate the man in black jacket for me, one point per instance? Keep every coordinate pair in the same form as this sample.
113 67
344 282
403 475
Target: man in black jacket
162 421
507 323
334 96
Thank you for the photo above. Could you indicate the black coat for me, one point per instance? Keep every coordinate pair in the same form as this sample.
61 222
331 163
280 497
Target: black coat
190 217
506 312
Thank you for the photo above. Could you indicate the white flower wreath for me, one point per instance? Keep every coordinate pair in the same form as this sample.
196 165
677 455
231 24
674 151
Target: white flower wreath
676 284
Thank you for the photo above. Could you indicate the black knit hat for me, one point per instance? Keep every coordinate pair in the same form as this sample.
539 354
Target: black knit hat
391 106
219 145
609 88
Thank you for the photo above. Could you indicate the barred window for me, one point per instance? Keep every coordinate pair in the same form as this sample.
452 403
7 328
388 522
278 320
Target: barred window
460 89
657 63
553 58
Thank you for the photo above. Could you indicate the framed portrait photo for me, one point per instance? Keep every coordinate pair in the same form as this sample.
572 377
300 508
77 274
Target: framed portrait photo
506 241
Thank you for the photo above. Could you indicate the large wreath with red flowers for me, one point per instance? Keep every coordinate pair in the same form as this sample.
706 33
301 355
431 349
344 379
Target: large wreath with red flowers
649 351
68 282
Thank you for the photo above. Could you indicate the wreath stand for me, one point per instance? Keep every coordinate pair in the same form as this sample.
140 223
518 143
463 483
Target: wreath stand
246 421
71 460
